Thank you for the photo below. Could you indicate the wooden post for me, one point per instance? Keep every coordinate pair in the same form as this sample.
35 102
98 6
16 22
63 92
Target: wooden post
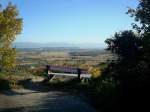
79 74
47 69
46 73
49 75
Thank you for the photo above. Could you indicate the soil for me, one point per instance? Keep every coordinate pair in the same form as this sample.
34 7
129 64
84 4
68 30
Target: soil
36 98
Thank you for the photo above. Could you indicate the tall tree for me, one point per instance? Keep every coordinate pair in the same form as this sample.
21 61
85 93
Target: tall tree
10 26
134 48
132 70
142 15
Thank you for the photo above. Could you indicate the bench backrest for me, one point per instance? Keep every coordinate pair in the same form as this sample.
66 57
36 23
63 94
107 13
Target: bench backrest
61 69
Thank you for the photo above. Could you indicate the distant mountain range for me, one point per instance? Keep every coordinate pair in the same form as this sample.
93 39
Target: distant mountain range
57 44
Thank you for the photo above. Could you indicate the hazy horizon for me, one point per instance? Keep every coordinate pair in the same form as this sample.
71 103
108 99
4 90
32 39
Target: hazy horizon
58 44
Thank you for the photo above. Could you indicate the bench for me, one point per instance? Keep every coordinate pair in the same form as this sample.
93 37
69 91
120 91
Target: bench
51 71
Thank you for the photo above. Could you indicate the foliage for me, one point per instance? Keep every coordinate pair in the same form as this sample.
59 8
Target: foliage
131 69
125 81
125 44
133 49
95 71
104 93
7 58
10 26
38 71
142 15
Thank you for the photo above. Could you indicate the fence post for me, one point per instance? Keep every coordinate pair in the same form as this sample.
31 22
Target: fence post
79 74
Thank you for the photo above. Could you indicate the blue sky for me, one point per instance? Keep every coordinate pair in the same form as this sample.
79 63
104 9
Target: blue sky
72 21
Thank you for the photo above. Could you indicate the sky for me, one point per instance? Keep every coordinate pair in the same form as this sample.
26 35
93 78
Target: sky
72 21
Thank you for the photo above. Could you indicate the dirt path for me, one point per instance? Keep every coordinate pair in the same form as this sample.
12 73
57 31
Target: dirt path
27 100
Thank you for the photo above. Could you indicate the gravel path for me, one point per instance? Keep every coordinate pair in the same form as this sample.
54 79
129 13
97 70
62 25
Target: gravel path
26 100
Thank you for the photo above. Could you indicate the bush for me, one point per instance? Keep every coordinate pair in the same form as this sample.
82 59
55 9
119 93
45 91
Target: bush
104 93
37 71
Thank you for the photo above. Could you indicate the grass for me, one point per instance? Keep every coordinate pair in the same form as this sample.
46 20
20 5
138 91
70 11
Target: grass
8 82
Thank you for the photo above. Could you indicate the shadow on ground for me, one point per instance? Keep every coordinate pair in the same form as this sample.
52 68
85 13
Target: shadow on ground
35 87
4 84
38 86
52 102
38 96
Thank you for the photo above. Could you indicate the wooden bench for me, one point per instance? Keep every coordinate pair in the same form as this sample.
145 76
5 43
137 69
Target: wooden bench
51 71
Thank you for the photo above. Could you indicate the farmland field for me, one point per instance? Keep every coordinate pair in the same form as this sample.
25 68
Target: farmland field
63 56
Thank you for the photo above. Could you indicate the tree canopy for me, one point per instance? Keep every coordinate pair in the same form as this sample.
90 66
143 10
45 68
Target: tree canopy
131 69
141 14
10 26
126 44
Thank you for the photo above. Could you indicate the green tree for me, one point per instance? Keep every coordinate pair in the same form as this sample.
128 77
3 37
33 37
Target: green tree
142 15
133 48
132 68
125 44
10 26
